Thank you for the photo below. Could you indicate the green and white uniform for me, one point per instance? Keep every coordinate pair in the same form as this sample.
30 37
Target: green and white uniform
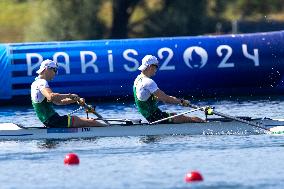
44 109
147 105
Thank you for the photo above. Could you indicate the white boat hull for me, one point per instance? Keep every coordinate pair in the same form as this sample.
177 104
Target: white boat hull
10 131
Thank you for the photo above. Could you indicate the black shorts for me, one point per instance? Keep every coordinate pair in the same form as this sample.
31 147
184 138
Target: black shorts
59 121
158 115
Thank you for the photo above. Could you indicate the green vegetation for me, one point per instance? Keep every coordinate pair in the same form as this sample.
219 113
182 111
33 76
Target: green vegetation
14 18
48 20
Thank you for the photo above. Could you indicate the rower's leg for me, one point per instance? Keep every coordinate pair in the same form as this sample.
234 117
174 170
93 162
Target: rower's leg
186 119
81 122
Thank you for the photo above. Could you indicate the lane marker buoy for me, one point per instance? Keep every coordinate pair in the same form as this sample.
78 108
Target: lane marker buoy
193 176
71 159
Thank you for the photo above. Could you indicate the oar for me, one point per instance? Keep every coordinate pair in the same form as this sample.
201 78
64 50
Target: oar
90 109
170 117
274 130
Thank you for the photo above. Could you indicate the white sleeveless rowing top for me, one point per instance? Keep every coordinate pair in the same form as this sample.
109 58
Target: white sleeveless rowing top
145 87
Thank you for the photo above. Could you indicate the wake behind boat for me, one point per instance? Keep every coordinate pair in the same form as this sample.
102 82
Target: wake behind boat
213 126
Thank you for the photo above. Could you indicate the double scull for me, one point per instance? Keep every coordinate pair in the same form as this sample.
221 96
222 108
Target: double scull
214 126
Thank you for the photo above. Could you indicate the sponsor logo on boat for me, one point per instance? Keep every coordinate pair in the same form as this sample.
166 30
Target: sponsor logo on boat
86 129
62 130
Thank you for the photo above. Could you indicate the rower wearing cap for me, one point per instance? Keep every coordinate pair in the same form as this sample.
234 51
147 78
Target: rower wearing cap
43 99
146 94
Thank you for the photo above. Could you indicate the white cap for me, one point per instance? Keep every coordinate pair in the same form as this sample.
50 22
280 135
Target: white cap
46 64
147 61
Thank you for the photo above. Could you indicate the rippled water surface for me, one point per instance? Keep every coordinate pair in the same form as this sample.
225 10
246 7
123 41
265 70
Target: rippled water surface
245 162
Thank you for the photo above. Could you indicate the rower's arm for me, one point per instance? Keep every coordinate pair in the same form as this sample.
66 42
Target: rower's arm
57 98
162 96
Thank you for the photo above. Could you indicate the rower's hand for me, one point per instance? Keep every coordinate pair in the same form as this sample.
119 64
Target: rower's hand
81 101
74 97
209 110
185 103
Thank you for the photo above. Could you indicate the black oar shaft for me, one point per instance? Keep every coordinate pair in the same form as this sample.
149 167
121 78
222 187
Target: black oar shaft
240 120
232 118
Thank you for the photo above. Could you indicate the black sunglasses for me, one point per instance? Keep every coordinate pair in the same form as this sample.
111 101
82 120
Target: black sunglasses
54 69
155 65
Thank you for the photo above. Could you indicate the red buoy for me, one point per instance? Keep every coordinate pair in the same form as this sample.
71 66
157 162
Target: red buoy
71 159
193 176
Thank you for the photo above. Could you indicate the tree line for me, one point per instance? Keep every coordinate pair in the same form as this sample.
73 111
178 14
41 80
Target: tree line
99 19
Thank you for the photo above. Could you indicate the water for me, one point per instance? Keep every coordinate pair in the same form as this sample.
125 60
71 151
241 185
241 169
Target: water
243 162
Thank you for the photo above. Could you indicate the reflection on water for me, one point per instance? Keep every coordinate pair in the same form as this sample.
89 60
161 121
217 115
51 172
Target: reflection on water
150 139
56 143
48 144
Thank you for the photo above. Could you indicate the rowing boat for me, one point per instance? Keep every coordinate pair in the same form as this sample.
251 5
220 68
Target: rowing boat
214 126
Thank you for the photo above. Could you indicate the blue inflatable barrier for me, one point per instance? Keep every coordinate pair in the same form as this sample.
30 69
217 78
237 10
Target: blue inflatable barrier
5 73
203 65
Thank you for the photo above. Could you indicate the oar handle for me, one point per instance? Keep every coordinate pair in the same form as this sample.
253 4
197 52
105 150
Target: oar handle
90 109
197 107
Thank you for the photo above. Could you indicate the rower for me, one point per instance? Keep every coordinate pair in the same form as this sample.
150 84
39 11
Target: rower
146 94
43 99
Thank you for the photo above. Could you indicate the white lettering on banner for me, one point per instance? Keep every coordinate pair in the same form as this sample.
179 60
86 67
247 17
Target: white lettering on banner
254 57
31 67
224 63
130 59
187 57
66 64
110 60
194 57
91 64
164 65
